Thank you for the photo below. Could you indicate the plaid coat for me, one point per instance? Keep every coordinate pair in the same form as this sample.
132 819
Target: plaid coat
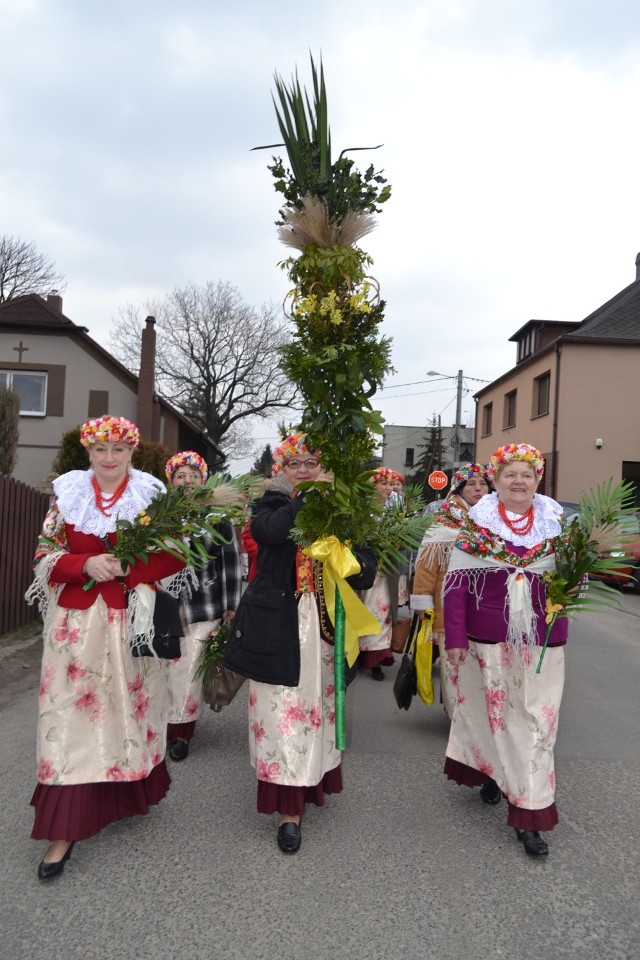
220 581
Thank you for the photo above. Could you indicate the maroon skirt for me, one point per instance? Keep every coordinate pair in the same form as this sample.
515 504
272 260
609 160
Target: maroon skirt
276 798
517 817
79 811
183 731
374 658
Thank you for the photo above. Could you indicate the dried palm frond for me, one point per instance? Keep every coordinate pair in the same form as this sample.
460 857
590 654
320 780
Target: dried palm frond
311 225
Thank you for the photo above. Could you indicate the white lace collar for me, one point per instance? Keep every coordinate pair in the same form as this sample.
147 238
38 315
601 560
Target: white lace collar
77 505
547 514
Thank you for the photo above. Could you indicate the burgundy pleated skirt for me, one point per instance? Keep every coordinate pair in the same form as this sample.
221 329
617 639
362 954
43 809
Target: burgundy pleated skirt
276 798
517 817
184 731
374 658
78 811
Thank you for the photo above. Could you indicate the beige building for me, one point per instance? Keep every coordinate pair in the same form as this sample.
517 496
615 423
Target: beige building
63 377
575 394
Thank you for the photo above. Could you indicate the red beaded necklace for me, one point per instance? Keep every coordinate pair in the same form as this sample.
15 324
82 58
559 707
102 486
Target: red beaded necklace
105 502
522 526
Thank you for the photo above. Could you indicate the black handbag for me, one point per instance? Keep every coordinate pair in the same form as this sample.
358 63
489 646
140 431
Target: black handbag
167 630
405 685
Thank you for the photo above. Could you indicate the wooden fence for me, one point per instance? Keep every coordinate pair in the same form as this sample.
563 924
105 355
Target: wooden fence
22 510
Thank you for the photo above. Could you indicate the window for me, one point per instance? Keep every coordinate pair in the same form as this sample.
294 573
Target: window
526 345
32 388
487 419
541 391
408 457
510 409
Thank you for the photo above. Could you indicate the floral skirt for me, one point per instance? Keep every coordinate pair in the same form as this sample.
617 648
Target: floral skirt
185 692
292 729
505 722
378 602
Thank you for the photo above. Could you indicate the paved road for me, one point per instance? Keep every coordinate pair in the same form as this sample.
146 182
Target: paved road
402 865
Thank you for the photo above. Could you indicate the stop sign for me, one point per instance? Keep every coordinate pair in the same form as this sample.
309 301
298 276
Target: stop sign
438 480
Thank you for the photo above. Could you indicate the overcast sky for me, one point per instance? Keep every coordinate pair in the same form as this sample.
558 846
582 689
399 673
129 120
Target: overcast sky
510 132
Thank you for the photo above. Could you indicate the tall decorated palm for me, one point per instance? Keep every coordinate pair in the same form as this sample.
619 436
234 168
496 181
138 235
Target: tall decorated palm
337 357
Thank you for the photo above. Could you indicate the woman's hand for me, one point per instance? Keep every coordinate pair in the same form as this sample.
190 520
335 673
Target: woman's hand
103 567
456 656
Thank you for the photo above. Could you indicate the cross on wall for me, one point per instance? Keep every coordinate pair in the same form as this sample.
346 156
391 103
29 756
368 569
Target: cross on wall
20 349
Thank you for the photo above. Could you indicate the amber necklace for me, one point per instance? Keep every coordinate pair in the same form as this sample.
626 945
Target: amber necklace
522 526
105 502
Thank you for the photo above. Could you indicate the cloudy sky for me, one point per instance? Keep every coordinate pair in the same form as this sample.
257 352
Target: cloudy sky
510 137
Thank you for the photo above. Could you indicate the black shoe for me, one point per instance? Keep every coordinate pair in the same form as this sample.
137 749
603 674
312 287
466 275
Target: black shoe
289 837
377 673
533 842
491 793
179 750
47 871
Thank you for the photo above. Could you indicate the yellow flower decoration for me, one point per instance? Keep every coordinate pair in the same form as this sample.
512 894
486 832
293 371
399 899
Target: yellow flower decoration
552 609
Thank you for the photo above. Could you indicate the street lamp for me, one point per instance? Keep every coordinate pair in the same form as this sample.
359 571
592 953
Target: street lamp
456 433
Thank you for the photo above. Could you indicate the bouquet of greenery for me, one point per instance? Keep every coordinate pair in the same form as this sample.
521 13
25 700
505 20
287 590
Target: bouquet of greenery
214 647
175 521
592 544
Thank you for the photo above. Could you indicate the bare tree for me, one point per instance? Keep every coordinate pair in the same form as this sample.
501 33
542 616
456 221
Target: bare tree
24 270
217 358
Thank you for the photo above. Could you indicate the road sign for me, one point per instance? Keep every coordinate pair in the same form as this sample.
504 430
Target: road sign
438 480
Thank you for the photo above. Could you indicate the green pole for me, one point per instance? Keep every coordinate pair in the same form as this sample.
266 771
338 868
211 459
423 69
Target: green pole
338 667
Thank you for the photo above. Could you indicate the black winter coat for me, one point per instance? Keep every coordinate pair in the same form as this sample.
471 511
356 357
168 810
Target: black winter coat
264 643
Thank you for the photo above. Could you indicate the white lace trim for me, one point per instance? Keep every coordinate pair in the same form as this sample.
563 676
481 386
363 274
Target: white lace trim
547 514
77 505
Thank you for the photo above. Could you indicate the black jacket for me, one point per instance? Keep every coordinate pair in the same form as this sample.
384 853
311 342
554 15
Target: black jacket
264 643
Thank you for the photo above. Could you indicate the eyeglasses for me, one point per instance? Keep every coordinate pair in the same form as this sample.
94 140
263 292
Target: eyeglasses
312 463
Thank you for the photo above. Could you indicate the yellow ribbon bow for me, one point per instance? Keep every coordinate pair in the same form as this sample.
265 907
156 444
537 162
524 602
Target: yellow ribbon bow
339 562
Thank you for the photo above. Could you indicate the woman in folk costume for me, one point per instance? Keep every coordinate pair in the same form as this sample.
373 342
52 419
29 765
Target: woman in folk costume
101 725
383 599
505 721
282 639
202 610
468 486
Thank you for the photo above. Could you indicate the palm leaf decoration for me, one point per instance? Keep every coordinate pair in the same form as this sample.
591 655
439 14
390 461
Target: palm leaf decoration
594 542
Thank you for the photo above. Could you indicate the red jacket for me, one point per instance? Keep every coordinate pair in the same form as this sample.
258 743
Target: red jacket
68 570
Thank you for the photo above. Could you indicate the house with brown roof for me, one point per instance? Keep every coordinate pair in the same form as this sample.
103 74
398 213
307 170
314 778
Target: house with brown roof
63 377
575 394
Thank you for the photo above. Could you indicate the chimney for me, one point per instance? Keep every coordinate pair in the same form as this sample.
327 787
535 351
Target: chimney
146 380
638 267
54 300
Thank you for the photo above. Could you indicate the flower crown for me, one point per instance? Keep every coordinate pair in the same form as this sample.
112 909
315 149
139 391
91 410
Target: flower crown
515 451
109 430
291 447
466 472
187 458
384 474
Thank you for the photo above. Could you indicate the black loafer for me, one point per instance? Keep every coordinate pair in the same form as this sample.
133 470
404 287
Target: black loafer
47 871
376 673
179 750
491 793
289 837
533 842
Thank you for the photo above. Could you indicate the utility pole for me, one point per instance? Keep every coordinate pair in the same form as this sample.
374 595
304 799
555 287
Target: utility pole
456 436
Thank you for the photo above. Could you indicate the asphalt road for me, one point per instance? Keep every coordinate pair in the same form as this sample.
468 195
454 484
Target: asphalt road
402 864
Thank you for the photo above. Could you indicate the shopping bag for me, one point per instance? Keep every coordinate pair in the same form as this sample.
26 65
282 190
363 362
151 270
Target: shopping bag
424 661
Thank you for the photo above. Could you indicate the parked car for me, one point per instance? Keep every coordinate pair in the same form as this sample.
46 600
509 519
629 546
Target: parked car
570 509
628 574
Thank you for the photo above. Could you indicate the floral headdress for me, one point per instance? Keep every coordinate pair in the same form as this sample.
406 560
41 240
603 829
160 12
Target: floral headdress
466 472
109 430
384 474
515 451
187 458
290 448
397 477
